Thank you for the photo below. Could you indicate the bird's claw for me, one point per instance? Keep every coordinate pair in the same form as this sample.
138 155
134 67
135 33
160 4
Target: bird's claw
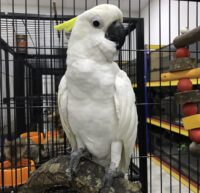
74 161
104 190
110 174
70 174
107 182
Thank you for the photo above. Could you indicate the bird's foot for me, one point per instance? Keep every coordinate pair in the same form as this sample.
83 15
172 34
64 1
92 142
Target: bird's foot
110 174
74 161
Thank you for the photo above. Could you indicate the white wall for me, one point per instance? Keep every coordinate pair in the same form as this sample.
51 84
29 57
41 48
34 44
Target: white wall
44 9
165 21
155 38
32 7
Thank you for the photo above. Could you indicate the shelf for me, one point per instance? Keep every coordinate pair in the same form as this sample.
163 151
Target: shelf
166 83
167 126
176 174
134 85
195 81
158 83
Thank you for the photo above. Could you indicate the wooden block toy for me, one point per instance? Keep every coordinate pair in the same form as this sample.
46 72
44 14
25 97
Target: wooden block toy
187 97
180 64
169 76
11 176
187 38
191 122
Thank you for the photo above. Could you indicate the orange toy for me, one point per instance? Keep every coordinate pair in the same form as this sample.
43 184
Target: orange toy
53 133
34 136
15 176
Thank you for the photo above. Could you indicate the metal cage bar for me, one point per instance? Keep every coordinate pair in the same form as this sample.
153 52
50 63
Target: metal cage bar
30 75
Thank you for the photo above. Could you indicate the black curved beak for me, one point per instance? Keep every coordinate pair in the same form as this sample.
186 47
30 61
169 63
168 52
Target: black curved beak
116 33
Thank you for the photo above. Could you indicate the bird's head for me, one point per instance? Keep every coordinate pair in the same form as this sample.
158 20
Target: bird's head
97 32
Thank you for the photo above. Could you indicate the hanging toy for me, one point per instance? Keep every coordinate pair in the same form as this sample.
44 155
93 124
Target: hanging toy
184 68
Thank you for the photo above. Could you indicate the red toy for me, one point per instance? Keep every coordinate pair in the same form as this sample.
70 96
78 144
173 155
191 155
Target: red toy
194 135
184 85
182 53
189 109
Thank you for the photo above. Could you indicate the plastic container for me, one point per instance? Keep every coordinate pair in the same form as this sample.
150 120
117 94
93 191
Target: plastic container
21 43
34 136
15 176
53 133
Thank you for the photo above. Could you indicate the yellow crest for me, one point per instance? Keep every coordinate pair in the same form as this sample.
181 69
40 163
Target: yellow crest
67 25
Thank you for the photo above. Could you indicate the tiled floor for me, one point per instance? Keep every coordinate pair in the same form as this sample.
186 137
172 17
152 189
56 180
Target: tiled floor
156 180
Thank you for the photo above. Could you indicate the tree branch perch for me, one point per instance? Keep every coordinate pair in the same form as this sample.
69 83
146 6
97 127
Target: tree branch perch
88 180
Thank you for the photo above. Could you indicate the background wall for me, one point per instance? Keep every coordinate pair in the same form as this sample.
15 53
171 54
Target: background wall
169 26
167 21
69 5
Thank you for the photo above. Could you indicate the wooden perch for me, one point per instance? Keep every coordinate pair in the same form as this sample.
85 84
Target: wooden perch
187 38
88 180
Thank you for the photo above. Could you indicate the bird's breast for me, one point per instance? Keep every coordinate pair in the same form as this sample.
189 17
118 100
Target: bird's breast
88 79
94 122
91 108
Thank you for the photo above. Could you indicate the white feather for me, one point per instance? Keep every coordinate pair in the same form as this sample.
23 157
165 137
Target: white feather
127 114
95 99
62 107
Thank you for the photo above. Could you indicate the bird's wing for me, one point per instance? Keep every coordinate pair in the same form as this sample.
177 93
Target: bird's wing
62 107
127 116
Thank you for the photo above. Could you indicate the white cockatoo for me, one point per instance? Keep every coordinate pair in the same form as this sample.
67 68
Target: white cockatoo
95 98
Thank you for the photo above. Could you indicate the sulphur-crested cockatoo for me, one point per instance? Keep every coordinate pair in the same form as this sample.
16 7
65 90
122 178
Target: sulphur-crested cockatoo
95 99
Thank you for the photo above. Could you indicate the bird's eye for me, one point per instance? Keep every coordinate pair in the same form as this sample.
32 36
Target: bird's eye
96 23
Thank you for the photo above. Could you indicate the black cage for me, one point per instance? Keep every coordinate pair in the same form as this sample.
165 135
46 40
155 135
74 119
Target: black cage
33 60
